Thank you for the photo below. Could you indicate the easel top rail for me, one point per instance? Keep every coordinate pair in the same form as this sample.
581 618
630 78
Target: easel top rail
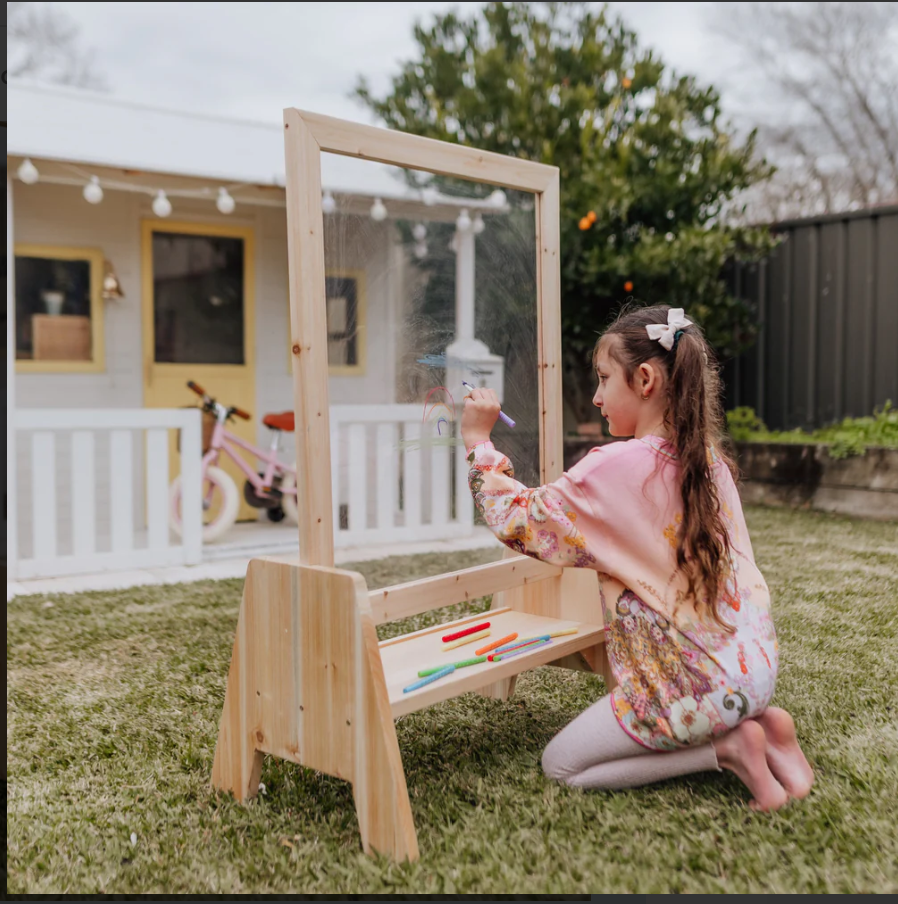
394 148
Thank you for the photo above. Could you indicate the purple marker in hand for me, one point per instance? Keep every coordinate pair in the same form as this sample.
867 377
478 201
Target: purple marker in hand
502 414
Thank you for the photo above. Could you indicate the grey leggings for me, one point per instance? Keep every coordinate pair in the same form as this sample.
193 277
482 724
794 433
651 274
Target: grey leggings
593 751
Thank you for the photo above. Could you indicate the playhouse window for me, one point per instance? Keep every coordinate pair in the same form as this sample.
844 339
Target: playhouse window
58 309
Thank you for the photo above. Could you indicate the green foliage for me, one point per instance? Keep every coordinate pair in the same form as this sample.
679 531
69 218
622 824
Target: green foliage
642 148
742 423
853 436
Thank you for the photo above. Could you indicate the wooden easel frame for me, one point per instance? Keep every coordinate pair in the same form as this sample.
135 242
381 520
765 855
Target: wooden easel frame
308 680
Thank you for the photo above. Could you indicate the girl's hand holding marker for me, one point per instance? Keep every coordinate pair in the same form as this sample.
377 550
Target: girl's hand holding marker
480 414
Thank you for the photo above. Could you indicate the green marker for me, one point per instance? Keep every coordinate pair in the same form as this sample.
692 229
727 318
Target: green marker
424 673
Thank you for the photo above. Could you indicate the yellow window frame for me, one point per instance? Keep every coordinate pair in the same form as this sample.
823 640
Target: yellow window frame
95 258
349 370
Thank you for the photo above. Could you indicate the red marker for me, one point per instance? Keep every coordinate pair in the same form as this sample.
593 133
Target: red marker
465 632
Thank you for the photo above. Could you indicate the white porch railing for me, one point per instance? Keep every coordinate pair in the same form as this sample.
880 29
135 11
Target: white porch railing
394 478
93 486
102 513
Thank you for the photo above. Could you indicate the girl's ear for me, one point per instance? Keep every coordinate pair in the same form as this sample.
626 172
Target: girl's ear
646 378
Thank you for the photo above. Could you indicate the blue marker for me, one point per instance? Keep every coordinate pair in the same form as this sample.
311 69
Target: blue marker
442 673
521 643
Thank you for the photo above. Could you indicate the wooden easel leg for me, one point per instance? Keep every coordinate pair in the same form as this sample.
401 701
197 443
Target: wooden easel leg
385 816
238 764
378 786
501 690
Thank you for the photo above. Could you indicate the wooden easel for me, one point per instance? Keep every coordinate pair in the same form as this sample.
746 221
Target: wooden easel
308 680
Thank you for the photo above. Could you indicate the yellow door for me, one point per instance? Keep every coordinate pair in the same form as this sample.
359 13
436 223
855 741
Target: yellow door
198 324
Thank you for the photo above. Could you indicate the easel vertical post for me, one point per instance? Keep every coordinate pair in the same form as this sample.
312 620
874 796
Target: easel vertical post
308 342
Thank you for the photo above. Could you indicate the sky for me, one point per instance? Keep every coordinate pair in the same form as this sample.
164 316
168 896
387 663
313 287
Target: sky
252 60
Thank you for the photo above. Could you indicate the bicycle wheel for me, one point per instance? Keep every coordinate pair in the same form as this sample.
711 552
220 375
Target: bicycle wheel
288 499
221 503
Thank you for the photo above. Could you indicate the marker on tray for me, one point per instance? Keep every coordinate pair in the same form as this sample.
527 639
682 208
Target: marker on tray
507 648
502 414
528 649
473 629
497 643
459 665
468 638
446 670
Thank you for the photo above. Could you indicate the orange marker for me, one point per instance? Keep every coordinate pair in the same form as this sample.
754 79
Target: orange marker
496 643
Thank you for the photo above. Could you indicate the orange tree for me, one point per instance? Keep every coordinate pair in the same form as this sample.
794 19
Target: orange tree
647 166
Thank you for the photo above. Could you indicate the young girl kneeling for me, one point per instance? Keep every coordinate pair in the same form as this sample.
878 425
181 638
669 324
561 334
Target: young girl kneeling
689 634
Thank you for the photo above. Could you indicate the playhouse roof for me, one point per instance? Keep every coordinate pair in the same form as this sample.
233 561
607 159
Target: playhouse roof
76 125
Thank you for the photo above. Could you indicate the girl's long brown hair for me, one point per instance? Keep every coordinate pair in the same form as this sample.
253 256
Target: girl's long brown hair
694 418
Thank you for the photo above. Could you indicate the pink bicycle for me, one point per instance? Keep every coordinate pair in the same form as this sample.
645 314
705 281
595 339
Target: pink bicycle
274 489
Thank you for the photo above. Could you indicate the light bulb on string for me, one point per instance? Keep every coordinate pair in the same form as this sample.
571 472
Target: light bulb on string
225 202
479 225
378 211
27 172
328 204
463 223
497 198
161 205
420 250
419 231
93 193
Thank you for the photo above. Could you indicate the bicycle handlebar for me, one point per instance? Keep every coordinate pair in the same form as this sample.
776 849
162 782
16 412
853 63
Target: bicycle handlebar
202 392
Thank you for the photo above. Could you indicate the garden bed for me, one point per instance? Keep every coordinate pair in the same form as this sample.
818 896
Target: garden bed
808 475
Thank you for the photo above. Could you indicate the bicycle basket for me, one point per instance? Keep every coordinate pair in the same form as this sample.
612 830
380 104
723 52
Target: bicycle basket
208 427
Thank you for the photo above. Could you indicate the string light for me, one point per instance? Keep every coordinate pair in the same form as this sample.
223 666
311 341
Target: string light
463 223
225 202
378 211
161 205
328 204
28 172
479 225
93 194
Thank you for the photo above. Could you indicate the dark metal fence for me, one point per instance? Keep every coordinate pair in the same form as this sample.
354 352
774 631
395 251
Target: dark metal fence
827 306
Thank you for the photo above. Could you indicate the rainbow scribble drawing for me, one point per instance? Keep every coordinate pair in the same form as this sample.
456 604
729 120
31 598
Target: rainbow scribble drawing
439 412
443 412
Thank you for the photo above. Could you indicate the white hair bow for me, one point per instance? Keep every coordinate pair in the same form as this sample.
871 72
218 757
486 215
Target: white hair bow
666 333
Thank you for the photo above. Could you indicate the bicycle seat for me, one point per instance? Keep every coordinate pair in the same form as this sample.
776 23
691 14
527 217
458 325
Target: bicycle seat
283 421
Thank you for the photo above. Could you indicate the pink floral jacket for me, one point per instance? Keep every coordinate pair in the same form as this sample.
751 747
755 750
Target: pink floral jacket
681 680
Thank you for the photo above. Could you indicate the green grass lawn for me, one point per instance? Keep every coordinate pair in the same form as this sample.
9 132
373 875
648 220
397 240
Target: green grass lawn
113 701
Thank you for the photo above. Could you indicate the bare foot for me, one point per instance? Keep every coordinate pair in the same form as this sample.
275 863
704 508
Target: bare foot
786 760
743 752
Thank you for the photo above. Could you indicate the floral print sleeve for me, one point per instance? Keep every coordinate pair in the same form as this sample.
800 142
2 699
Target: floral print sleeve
540 522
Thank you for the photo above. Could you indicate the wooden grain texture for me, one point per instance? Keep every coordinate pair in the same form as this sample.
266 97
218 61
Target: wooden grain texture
415 152
551 434
306 684
308 341
425 594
